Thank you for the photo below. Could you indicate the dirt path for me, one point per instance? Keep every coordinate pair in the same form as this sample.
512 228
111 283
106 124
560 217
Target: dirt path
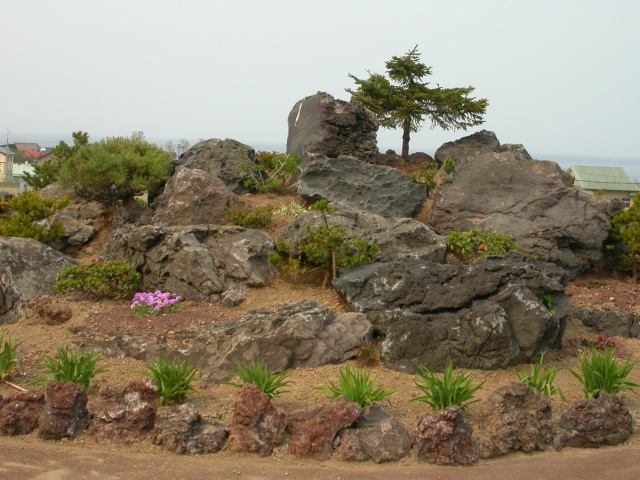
60 461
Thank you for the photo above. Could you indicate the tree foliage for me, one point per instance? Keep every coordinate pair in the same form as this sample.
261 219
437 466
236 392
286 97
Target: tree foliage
626 229
47 173
116 169
402 99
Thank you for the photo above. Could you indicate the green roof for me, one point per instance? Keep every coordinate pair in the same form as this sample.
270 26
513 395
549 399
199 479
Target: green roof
597 178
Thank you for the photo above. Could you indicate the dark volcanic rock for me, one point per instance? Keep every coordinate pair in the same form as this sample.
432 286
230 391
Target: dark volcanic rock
514 417
19 413
27 269
376 436
197 262
257 426
65 413
222 159
445 438
594 423
489 314
124 417
353 183
321 126
608 323
528 200
312 430
181 429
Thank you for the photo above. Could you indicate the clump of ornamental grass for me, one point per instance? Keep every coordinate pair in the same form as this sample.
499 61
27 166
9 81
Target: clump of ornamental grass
174 380
80 368
446 392
155 303
258 373
599 372
9 360
542 380
358 386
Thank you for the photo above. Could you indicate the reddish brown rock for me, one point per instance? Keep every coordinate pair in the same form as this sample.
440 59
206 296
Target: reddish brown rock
313 430
376 436
47 310
19 413
181 429
257 426
514 417
594 423
124 417
444 438
65 413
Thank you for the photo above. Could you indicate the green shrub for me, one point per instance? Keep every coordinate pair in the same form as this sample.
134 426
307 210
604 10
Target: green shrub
626 229
271 171
23 211
358 386
174 380
243 217
542 380
451 390
258 373
448 165
291 210
601 373
70 367
475 244
9 360
426 174
116 169
100 279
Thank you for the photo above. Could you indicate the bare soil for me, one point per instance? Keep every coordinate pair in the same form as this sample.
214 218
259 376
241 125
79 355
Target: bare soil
101 319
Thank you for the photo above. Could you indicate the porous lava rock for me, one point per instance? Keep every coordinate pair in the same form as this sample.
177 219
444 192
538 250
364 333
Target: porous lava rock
445 438
514 417
257 425
47 310
19 413
124 416
181 429
65 413
312 431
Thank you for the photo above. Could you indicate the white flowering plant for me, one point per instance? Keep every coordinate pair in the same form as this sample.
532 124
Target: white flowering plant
154 303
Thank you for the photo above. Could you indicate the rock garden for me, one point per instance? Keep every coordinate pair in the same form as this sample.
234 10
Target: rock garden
327 309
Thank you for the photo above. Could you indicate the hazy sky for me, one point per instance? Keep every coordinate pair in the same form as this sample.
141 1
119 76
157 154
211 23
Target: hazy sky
561 77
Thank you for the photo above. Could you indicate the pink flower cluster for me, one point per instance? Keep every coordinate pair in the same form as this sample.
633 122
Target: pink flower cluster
600 342
154 303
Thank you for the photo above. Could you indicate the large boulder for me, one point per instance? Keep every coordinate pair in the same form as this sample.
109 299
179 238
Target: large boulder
287 335
490 314
528 200
65 413
465 149
222 159
257 425
191 197
396 237
27 269
321 126
197 262
354 183
514 417
81 221
609 323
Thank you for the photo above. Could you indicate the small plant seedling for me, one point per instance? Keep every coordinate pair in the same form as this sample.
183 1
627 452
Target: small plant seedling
174 380
599 372
258 373
67 366
358 386
9 359
451 390
542 380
